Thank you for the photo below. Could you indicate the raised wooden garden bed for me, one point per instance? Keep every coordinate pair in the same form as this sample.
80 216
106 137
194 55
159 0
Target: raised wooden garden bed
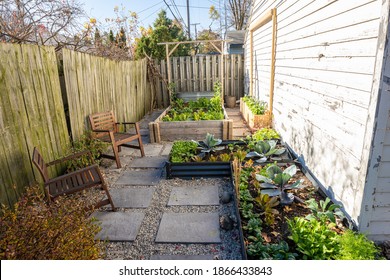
255 121
187 130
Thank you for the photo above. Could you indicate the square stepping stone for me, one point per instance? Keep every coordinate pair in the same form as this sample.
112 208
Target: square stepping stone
167 149
149 177
131 197
118 226
194 196
149 162
153 150
182 257
189 228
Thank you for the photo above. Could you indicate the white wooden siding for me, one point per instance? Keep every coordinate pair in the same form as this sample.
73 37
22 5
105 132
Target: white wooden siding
325 58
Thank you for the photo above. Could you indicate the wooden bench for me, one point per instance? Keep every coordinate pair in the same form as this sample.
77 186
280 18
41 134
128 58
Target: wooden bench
72 182
106 129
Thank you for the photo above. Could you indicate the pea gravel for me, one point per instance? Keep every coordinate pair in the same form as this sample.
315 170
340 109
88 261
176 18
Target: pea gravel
144 246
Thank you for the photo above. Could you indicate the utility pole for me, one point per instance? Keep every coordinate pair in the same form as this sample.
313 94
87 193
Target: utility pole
196 31
188 19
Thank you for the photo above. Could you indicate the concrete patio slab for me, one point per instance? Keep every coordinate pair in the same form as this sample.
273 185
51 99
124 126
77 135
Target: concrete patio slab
189 228
150 177
132 197
148 162
194 196
118 226
167 149
153 150
182 257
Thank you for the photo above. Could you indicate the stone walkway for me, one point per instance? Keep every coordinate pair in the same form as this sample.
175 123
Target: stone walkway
188 214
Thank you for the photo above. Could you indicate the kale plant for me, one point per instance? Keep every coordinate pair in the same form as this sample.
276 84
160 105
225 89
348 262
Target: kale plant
276 183
209 144
264 149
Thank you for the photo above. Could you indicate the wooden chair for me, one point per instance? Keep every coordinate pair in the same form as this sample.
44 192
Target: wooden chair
73 182
106 129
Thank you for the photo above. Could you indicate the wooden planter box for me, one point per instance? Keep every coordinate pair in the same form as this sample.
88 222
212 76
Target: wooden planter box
188 130
255 121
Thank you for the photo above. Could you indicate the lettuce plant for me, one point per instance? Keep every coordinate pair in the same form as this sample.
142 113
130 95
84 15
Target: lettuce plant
264 149
276 183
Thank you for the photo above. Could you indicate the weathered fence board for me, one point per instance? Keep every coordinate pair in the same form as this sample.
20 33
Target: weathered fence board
96 84
199 73
31 114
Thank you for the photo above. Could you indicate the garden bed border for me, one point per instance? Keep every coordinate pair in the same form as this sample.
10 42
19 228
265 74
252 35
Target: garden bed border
255 121
187 130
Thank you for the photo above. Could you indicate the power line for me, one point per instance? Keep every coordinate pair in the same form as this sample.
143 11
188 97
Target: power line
158 3
178 12
195 7
159 8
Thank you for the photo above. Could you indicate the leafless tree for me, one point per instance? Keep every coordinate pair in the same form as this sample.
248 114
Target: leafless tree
43 22
239 13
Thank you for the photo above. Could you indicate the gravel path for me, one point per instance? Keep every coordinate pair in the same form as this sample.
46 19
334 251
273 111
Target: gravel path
144 246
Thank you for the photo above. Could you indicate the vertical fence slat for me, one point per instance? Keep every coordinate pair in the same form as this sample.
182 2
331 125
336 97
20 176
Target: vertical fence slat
32 114
199 73
102 84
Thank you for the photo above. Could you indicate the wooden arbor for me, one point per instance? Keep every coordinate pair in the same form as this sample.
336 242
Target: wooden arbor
269 16
175 45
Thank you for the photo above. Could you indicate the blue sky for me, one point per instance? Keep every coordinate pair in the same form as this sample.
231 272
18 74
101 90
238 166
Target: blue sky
147 10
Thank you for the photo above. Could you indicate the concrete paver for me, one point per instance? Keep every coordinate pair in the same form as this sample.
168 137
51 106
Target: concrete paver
153 150
132 197
149 162
194 196
149 177
189 228
182 257
119 226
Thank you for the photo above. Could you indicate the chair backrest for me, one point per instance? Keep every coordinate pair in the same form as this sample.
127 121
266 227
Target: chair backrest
103 121
38 161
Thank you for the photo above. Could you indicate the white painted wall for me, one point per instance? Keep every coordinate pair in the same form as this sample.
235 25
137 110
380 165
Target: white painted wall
325 66
375 214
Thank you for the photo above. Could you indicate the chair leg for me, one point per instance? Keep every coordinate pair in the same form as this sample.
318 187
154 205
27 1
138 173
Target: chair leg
116 154
109 196
141 145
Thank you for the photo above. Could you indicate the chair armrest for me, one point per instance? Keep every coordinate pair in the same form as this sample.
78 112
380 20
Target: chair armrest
126 123
102 130
72 156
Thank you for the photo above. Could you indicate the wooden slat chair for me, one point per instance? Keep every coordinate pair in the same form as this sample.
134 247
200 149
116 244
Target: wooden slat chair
105 128
72 182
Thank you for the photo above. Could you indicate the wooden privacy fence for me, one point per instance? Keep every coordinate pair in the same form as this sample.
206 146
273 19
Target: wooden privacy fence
31 114
96 84
199 73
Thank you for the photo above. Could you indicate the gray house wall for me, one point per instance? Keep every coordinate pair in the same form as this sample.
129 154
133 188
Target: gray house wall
328 68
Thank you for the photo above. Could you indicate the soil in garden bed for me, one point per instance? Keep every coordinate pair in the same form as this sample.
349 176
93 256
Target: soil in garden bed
279 230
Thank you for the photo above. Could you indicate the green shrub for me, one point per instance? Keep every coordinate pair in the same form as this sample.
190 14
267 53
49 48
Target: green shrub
356 246
314 239
183 151
35 230
86 142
